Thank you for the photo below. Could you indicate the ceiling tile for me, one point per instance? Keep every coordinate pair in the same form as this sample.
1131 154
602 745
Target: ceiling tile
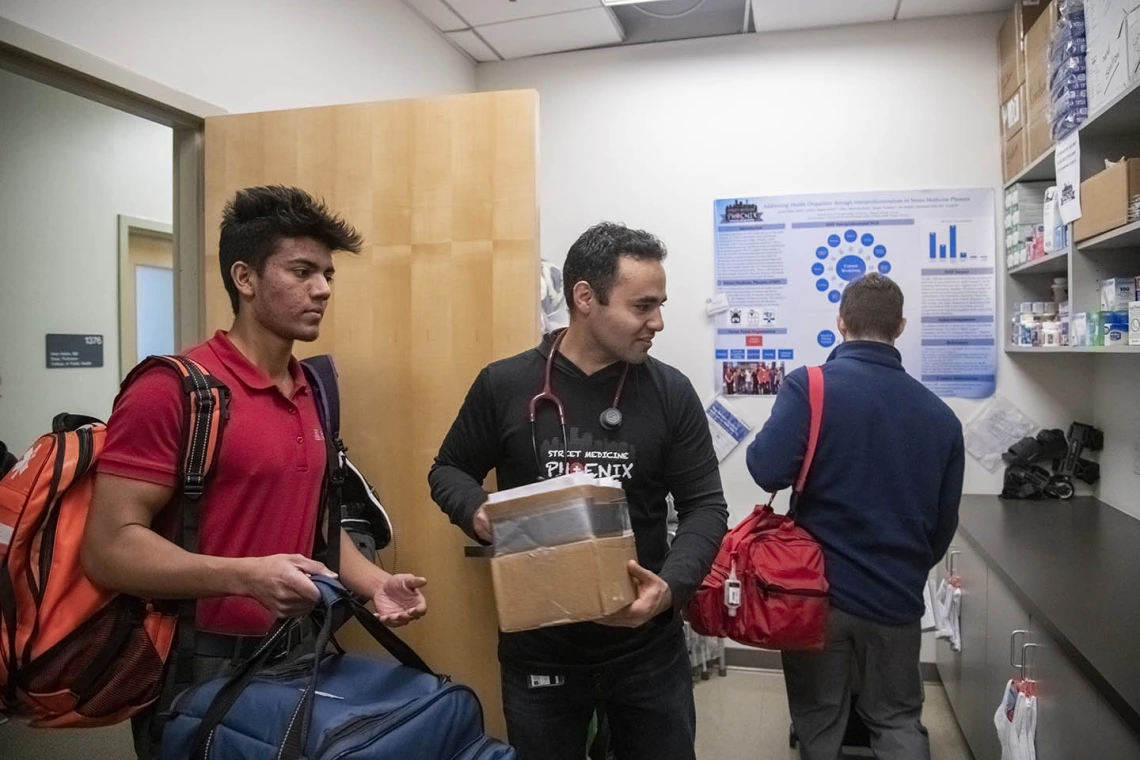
928 8
553 34
437 12
482 12
474 46
783 15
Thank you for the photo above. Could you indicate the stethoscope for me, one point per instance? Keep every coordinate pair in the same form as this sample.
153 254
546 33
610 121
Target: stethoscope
610 419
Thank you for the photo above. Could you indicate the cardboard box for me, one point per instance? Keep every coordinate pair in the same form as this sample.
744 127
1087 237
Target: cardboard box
1134 323
1039 129
1107 34
1010 57
1011 43
1013 114
572 583
1030 11
1016 149
1037 40
1105 198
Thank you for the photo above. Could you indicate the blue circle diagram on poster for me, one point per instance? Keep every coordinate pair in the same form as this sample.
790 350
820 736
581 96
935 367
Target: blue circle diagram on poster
846 258
826 338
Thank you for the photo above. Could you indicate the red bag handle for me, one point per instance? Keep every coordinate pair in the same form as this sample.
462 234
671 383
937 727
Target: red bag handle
815 404
815 401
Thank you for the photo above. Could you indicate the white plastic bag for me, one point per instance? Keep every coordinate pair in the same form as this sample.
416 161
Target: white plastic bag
929 619
1029 734
954 617
1003 719
942 609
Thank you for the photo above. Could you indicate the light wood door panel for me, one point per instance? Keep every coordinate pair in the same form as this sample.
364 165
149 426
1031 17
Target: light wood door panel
444 191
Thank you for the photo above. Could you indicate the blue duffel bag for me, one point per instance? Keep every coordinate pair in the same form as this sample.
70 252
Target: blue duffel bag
331 705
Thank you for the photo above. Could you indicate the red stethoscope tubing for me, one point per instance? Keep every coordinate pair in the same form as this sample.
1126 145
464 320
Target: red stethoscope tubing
547 395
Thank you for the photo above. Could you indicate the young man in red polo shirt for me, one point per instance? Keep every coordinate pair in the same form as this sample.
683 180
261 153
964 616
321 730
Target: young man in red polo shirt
258 516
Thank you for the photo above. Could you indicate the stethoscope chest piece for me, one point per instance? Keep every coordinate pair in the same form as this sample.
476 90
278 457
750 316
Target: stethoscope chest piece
610 419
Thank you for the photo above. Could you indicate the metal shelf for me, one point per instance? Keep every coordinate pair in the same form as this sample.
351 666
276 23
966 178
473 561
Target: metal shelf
1039 169
1127 236
1118 118
1073 350
1054 262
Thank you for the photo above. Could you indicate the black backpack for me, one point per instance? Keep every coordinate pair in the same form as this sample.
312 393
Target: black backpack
362 516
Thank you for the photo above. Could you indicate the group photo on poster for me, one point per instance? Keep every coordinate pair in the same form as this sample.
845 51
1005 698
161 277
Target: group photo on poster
753 378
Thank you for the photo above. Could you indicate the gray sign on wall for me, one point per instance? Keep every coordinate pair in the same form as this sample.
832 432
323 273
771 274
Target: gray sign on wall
69 351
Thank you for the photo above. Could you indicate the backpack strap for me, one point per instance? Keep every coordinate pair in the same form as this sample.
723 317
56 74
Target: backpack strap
815 402
321 373
322 376
205 408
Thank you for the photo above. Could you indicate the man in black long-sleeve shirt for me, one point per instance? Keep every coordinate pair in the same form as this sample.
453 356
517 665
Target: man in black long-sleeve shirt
633 663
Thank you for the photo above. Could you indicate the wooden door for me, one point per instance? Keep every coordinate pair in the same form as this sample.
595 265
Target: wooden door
444 191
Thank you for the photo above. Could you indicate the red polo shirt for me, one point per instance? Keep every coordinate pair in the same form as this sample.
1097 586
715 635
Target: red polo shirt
263 496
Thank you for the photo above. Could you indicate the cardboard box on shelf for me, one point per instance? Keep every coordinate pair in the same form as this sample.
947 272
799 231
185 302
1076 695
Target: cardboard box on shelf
1107 33
1010 56
1037 40
1030 11
1015 158
1105 199
1039 128
1134 323
1013 114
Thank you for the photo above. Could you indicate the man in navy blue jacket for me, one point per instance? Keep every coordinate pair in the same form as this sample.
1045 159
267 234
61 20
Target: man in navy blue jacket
882 500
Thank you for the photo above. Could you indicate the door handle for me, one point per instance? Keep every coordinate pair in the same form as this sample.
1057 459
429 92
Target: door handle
1012 639
946 560
950 559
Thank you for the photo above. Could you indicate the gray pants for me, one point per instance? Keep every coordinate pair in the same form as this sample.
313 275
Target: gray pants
890 692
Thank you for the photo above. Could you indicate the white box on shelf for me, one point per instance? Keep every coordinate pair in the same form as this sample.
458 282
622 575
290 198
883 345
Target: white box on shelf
1134 323
1116 293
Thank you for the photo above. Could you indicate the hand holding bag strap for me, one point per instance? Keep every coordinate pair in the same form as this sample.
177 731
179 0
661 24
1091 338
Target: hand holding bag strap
333 594
815 403
333 597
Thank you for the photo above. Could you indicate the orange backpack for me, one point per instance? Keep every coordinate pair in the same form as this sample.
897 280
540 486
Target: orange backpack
73 654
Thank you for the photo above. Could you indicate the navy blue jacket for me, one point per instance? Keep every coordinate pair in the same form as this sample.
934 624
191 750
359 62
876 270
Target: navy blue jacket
883 490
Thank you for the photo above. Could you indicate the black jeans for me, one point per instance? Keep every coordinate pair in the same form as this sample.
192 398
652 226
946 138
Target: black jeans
647 698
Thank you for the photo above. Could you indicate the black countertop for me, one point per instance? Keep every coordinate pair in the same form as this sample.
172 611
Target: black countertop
1075 566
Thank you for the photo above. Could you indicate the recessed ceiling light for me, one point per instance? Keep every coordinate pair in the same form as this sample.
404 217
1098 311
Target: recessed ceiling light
628 2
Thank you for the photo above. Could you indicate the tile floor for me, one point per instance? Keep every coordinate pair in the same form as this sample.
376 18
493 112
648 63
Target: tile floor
744 716
741 716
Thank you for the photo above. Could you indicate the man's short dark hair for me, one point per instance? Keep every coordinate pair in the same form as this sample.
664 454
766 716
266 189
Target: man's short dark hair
258 218
595 254
872 308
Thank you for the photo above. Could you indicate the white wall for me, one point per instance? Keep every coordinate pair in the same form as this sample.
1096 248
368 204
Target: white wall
260 55
68 168
651 135
1118 415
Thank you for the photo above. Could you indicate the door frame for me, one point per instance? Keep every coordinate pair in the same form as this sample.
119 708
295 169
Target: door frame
128 312
35 56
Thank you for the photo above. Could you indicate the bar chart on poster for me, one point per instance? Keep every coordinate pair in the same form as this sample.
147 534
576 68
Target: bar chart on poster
783 263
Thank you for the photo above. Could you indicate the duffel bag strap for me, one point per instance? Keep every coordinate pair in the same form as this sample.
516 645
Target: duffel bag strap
333 597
